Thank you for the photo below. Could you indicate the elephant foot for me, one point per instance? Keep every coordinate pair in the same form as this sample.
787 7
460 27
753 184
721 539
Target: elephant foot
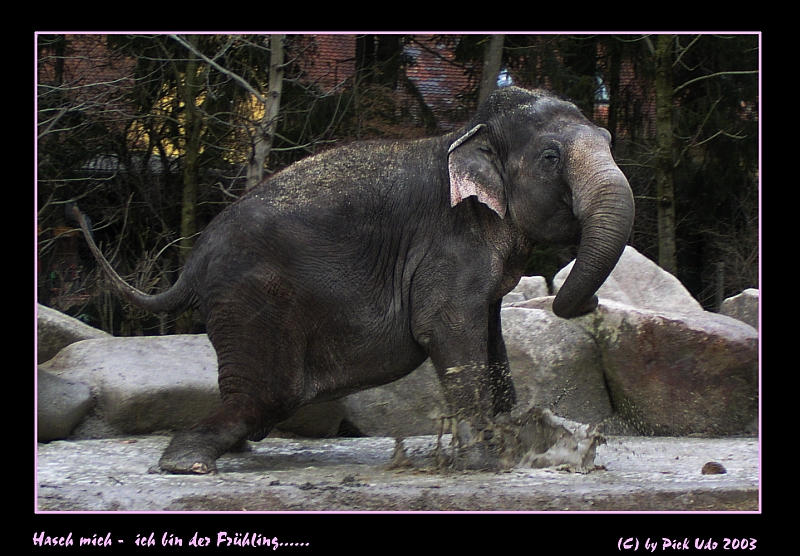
185 467
475 449
194 453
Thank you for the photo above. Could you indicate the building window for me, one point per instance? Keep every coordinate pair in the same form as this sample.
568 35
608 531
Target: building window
504 78
601 91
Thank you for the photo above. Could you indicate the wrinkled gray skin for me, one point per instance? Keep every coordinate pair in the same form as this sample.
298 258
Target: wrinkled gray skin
349 268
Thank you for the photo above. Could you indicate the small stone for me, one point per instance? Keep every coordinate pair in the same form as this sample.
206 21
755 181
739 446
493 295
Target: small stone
713 468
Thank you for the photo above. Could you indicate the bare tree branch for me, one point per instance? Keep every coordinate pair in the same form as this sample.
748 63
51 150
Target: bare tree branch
241 81
709 76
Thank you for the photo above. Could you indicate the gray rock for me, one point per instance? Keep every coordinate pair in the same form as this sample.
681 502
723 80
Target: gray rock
678 373
61 405
146 384
639 282
555 364
156 383
531 286
411 406
513 297
55 330
743 307
142 384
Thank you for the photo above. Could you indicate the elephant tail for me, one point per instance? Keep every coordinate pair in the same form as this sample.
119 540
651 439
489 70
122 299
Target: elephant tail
178 297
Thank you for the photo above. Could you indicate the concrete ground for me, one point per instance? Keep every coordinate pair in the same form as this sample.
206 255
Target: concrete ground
639 474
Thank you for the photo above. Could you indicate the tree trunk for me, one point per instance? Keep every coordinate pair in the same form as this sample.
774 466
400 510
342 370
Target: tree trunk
192 137
665 185
492 63
265 129
193 129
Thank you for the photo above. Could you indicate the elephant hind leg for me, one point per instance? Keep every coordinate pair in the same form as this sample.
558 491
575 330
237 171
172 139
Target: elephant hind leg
197 449
260 382
250 408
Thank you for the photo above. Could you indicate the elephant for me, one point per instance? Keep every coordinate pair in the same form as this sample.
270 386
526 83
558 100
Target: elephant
349 268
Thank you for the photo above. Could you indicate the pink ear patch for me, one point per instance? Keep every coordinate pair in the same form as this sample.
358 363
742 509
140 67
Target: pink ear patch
463 186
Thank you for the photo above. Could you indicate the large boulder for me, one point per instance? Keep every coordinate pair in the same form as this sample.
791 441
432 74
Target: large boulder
55 330
555 364
743 307
410 406
141 384
639 282
159 383
145 384
677 373
61 403
670 367
529 287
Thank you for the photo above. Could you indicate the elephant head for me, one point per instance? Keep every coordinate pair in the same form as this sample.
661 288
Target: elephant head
540 164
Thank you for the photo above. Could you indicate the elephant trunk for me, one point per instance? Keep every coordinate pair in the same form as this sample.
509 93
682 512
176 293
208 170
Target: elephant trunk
603 204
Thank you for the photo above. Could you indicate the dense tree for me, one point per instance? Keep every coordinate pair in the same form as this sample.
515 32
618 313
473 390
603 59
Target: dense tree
696 173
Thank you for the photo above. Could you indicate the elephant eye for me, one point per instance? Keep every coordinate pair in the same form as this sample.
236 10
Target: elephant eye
551 156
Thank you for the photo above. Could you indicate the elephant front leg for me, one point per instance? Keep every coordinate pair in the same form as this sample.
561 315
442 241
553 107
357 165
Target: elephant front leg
469 397
504 395
466 373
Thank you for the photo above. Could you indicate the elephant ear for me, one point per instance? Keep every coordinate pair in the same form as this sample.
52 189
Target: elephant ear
473 172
